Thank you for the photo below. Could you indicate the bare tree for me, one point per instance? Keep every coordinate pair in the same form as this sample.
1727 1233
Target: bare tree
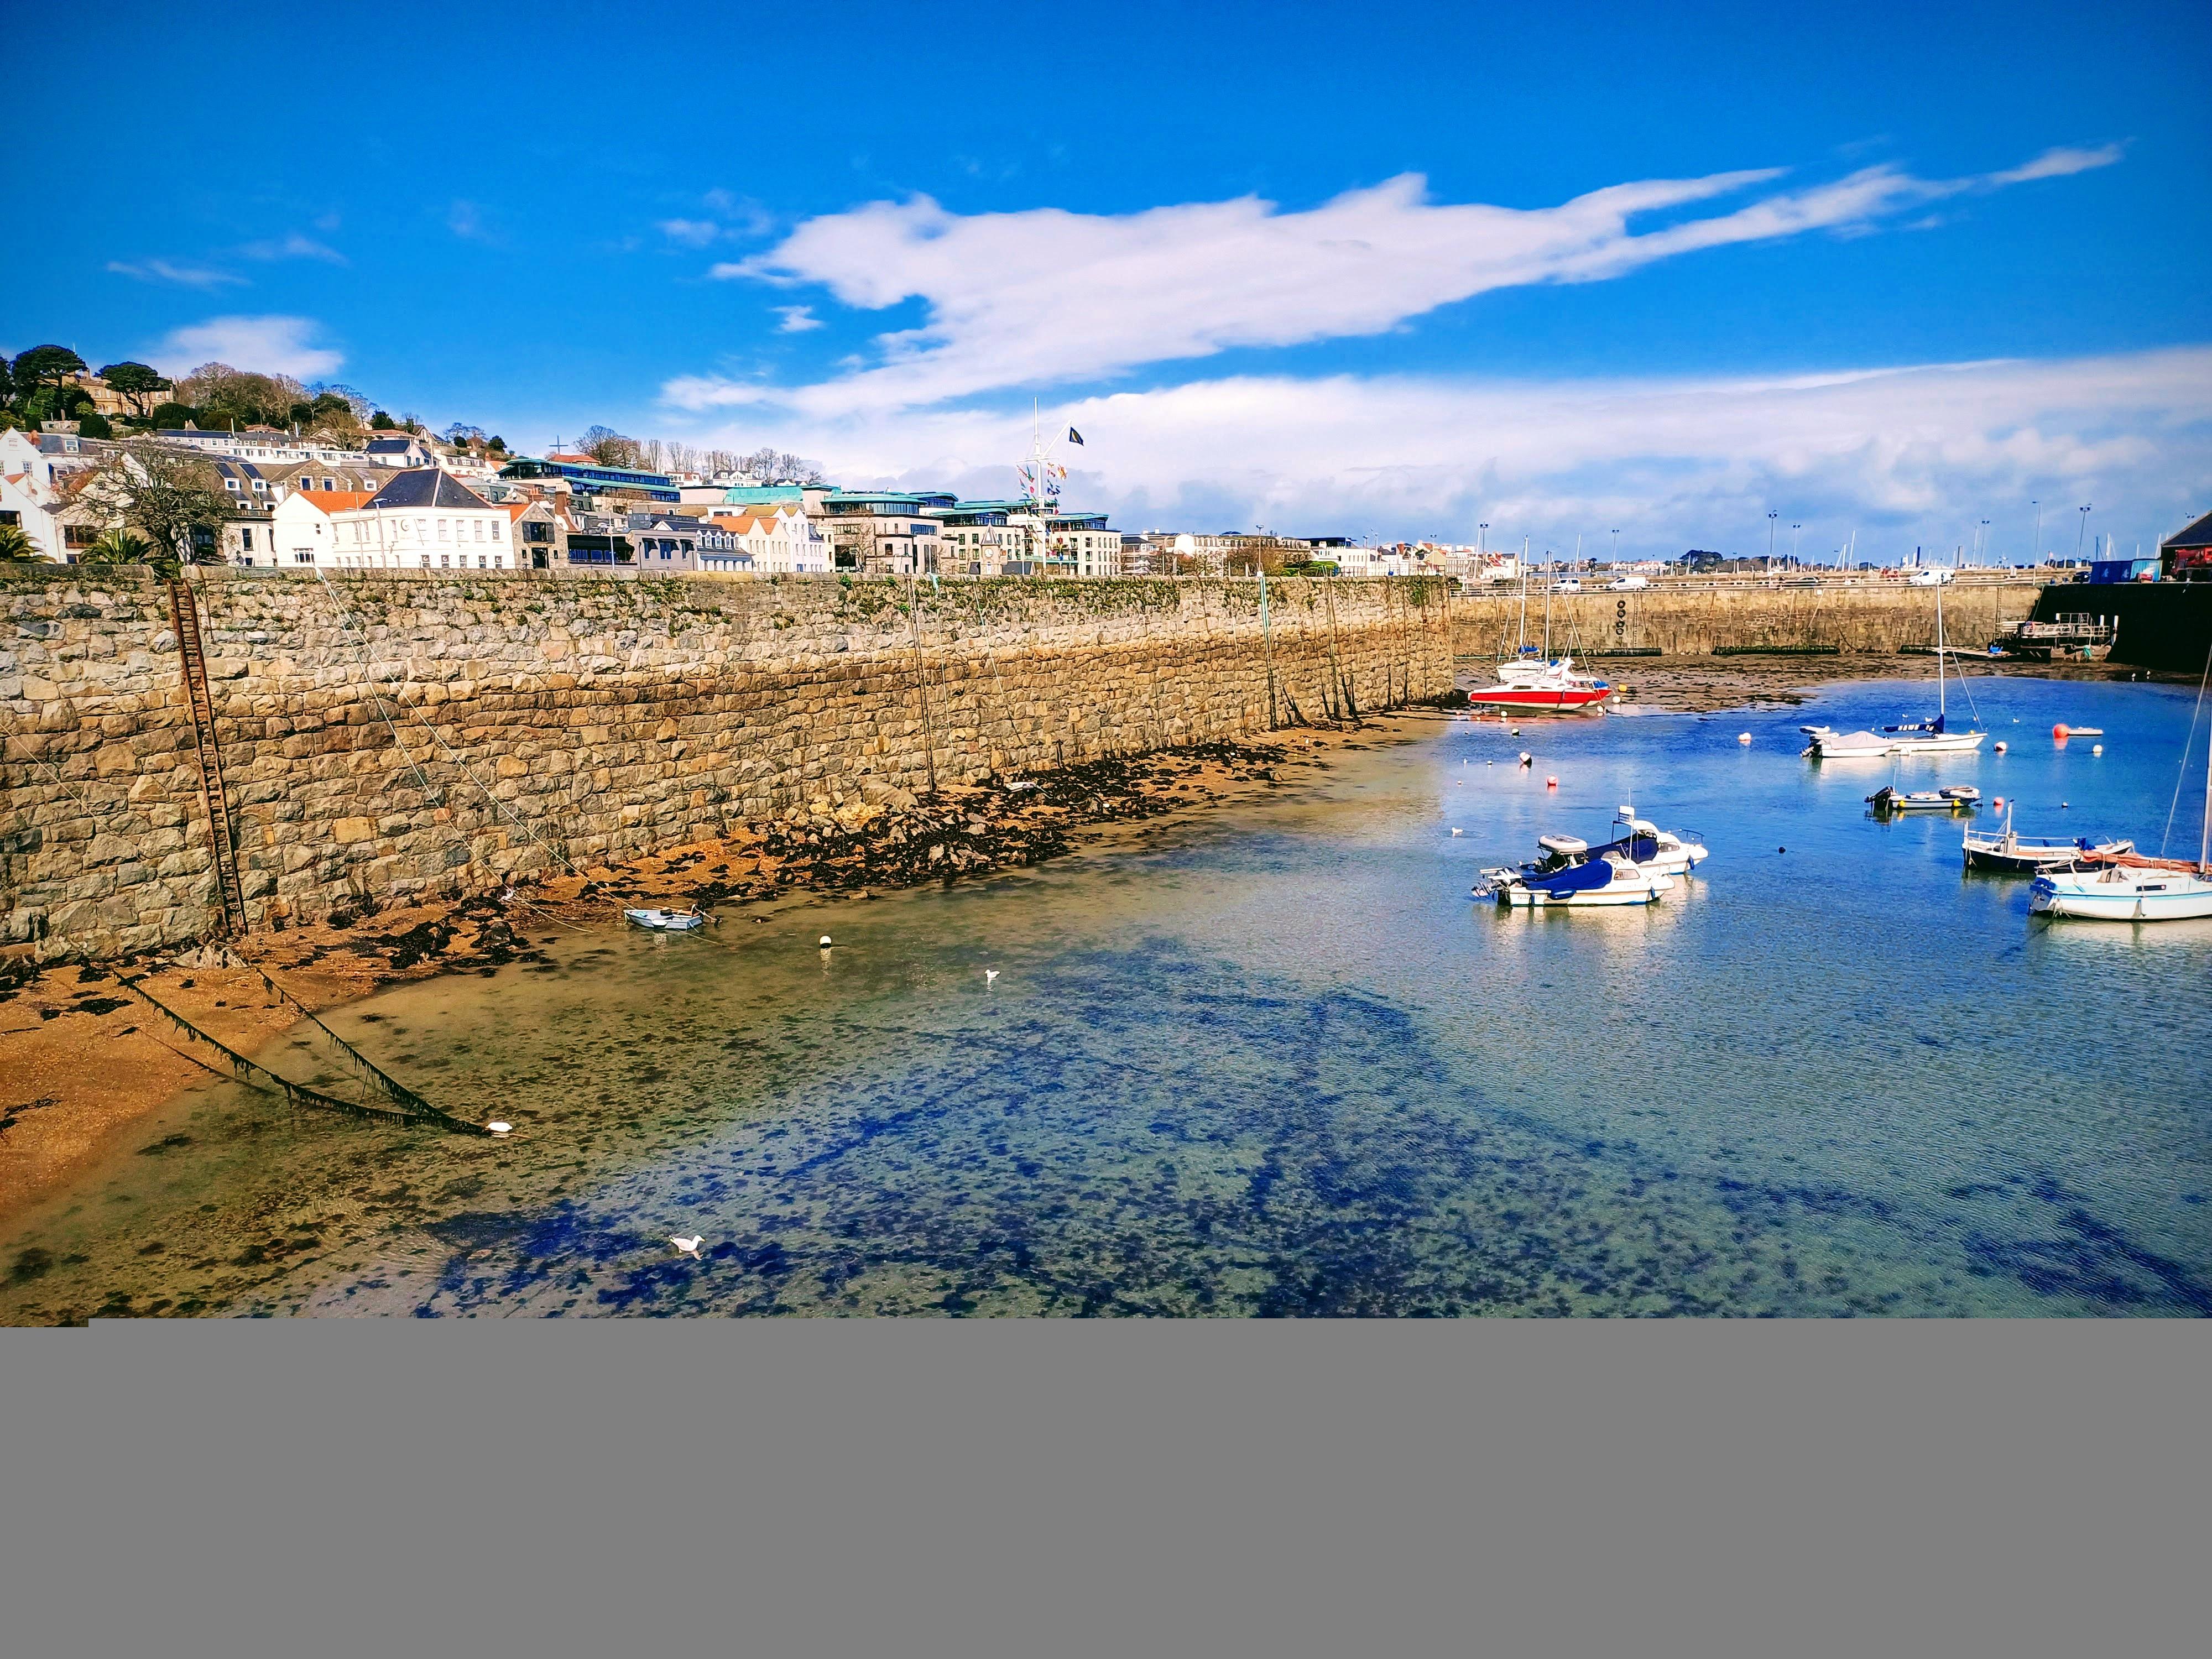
177 499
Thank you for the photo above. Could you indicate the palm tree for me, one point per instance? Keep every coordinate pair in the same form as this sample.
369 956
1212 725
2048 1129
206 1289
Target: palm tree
14 544
118 547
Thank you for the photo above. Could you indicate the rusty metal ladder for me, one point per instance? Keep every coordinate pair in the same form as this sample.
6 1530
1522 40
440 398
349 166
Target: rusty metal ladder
223 839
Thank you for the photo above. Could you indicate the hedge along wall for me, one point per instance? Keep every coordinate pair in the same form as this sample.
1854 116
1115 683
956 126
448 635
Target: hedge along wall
605 719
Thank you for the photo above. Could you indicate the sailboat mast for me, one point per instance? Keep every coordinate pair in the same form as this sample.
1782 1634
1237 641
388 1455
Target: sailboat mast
2204 839
1523 650
1939 707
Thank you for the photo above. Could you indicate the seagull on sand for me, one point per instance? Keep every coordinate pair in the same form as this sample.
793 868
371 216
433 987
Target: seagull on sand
688 1246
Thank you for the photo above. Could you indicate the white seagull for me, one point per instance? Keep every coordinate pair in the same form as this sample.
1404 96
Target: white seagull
687 1246
989 974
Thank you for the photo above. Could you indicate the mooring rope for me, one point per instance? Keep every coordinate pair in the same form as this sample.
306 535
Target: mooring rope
368 654
299 1094
2187 743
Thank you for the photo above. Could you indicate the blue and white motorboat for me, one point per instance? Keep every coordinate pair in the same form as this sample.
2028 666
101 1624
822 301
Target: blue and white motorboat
1573 874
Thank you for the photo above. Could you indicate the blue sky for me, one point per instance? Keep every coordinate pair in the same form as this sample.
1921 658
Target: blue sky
1326 269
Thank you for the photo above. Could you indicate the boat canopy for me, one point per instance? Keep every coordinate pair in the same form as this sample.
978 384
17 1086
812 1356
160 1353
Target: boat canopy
1575 878
1567 846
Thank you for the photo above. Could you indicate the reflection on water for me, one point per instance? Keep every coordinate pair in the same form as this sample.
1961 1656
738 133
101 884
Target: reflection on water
1273 1061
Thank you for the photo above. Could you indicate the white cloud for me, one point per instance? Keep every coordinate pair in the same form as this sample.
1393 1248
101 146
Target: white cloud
163 270
1906 455
692 232
1044 295
2058 164
293 245
797 319
267 345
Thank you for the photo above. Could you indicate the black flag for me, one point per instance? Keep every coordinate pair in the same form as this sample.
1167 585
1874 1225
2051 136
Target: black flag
1075 437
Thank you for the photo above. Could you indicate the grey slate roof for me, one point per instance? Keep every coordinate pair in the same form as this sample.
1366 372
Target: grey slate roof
389 445
2197 535
427 486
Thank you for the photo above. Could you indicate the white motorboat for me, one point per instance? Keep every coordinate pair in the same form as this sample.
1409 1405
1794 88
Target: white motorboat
1830 744
667 921
1652 847
2007 850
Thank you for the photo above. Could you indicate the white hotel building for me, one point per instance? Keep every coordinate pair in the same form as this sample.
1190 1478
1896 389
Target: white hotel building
422 519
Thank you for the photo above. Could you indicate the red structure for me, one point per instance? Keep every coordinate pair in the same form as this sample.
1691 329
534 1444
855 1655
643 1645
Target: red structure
2187 556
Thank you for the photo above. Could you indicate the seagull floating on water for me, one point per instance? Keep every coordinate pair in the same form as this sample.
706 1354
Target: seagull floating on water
687 1246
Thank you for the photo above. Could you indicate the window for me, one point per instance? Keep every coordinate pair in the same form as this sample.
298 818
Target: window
245 538
303 556
444 531
445 560
480 529
231 484
495 529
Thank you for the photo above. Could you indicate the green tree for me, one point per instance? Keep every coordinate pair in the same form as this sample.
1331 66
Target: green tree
46 365
119 547
91 423
137 382
380 422
16 546
171 415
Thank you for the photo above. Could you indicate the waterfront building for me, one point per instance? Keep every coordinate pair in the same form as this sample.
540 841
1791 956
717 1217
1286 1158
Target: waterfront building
771 541
586 476
887 531
423 519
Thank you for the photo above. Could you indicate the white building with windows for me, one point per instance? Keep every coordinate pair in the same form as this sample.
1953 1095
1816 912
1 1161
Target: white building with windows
423 519
770 541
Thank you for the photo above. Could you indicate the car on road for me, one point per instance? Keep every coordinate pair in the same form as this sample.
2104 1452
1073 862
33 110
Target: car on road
1628 585
1567 585
1934 575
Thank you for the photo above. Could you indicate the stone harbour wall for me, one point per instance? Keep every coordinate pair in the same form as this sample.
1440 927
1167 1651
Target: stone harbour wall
398 734
1860 617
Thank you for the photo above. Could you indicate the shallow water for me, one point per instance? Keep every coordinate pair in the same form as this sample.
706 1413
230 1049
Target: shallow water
1271 1059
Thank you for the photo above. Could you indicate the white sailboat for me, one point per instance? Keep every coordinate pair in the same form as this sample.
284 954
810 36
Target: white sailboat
1928 737
2130 888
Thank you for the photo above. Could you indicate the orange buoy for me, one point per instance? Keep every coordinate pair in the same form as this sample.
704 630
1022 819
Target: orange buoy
2059 732
1551 783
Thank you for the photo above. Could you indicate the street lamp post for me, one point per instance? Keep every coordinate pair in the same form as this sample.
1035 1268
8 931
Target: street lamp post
1982 544
1616 547
1480 531
1794 529
2081 532
2036 551
1770 518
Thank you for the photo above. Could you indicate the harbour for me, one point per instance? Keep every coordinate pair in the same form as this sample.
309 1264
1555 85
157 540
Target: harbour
1272 1059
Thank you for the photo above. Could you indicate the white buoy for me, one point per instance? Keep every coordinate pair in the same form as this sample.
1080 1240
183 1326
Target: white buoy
1743 736
2001 749
825 941
2096 748
497 1127
687 1246
989 974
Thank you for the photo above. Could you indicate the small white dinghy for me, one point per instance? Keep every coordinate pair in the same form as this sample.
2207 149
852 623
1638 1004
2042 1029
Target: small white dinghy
667 921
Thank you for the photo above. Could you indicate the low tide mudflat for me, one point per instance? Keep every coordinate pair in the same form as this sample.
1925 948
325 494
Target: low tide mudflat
1271 1059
